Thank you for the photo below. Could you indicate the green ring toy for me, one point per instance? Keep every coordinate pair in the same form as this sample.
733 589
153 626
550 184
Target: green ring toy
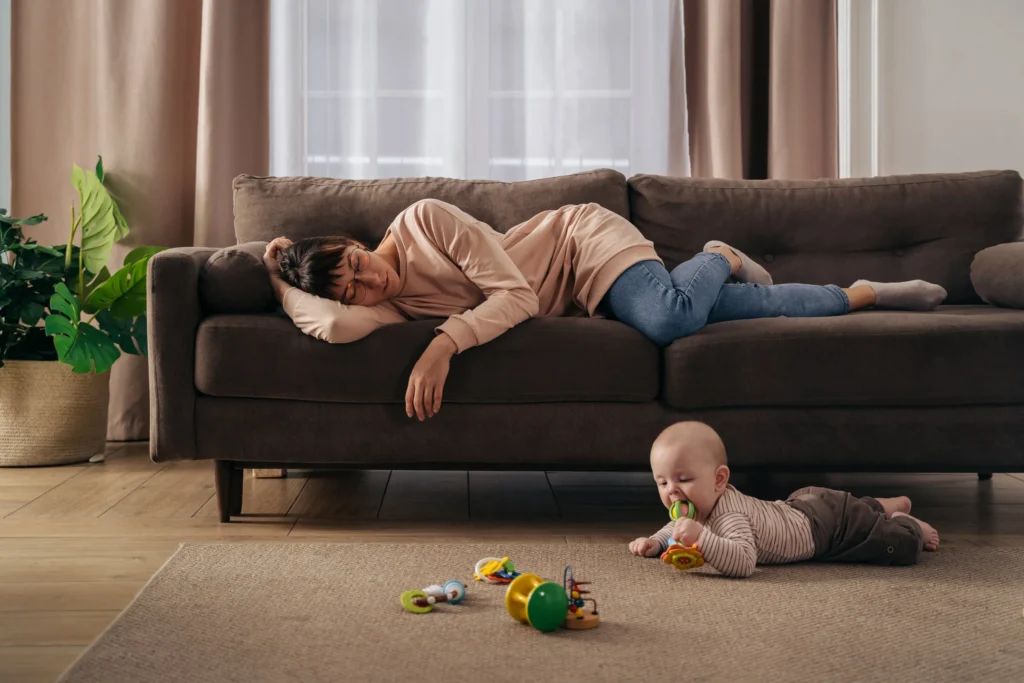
676 511
409 602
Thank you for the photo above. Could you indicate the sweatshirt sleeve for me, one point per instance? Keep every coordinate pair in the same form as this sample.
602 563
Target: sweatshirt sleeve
728 545
332 321
664 535
481 258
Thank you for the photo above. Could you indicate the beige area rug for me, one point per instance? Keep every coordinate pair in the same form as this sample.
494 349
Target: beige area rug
330 612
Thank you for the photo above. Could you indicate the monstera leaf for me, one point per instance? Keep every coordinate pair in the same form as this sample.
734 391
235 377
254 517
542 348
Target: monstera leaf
124 292
129 334
82 346
102 222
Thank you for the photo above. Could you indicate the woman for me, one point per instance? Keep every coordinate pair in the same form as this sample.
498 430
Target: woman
437 261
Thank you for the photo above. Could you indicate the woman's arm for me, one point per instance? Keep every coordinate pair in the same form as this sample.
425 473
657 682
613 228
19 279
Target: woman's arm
471 246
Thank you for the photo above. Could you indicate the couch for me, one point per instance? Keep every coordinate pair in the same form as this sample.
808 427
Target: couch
232 380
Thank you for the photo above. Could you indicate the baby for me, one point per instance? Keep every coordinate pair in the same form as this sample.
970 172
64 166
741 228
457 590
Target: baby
735 532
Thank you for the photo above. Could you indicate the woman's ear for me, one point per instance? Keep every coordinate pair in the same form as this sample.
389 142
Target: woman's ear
721 478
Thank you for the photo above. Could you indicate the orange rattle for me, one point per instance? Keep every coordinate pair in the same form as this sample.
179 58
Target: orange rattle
677 555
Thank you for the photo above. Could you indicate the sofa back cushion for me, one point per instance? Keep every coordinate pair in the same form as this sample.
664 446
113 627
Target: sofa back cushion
837 231
306 207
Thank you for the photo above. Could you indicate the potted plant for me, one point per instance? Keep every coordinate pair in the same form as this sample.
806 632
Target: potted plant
64 320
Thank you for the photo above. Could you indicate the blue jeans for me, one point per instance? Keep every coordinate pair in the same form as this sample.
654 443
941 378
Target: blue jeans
666 306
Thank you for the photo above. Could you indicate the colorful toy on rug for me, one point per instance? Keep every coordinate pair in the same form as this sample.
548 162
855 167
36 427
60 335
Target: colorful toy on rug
495 570
677 555
421 602
579 617
545 605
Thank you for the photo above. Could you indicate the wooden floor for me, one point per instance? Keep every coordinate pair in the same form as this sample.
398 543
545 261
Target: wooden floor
78 542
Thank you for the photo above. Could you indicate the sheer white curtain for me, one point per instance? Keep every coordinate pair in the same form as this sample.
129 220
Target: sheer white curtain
485 89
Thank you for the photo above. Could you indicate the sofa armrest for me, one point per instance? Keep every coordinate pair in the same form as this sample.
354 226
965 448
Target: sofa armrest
997 274
173 318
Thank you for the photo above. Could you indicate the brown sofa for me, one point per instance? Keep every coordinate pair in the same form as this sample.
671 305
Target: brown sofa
234 381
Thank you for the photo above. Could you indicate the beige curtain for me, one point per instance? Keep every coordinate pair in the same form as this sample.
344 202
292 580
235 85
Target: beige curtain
761 88
172 93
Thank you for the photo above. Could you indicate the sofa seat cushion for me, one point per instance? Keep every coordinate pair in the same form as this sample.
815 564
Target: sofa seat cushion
956 355
542 360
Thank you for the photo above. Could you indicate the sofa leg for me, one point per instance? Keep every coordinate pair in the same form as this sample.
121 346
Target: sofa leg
229 489
984 476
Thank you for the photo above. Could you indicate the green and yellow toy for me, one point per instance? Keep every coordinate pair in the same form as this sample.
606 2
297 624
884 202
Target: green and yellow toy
545 605
677 555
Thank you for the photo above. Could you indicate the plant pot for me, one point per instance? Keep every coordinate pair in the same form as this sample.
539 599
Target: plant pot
49 415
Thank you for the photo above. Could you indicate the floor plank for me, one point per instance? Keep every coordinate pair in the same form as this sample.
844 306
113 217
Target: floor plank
511 495
93 491
68 595
183 530
340 495
35 663
178 490
55 627
426 495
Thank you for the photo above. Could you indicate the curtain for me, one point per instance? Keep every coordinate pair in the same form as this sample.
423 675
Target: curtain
172 93
761 88
491 89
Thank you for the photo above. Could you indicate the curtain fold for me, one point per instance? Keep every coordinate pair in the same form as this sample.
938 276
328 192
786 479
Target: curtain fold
761 88
172 93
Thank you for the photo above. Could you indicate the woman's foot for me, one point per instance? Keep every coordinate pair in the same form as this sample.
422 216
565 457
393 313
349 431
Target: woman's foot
928 533
913 295
897 504
747 271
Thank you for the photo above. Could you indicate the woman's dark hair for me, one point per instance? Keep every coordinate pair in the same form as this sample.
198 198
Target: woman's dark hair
307 263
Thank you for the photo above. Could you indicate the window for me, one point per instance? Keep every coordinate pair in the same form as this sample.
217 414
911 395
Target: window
500 89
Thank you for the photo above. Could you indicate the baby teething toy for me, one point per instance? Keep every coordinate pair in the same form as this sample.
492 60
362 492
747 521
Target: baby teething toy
678 555
545 605
421 602
682 508
495 570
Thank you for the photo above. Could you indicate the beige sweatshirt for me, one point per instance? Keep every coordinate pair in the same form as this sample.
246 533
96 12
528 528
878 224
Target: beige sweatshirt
742 532
456 267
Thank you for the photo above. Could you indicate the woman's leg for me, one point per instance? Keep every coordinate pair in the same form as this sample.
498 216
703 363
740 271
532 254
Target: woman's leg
666 306
745 301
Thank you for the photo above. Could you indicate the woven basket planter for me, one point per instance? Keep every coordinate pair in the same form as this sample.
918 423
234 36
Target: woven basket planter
50 415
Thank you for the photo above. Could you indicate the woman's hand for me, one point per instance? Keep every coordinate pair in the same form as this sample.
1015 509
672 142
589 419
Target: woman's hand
270 255
426 384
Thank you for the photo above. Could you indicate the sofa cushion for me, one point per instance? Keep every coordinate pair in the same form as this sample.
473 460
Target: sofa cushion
837 231
305 207
544 359
956 355
998 274
234 280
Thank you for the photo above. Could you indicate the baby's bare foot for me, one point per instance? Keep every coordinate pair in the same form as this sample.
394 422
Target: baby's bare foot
928 533
897 504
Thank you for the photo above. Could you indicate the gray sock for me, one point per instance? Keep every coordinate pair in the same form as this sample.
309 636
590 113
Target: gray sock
913 295
749 271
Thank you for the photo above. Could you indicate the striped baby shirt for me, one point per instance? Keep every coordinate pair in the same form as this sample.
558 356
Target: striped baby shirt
742 532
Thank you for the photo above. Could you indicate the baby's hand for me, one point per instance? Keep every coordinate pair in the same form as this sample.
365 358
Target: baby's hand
648 547
687 531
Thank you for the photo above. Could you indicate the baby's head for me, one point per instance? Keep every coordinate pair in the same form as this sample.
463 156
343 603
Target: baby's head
689 463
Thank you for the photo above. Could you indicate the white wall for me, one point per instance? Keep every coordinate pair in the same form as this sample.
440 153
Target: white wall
950 85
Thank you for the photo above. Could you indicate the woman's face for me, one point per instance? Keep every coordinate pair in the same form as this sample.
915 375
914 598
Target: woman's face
364 278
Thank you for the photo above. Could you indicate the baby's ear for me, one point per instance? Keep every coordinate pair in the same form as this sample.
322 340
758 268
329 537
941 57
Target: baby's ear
721 478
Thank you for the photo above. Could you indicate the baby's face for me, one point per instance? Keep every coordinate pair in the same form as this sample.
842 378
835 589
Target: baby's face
683 474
